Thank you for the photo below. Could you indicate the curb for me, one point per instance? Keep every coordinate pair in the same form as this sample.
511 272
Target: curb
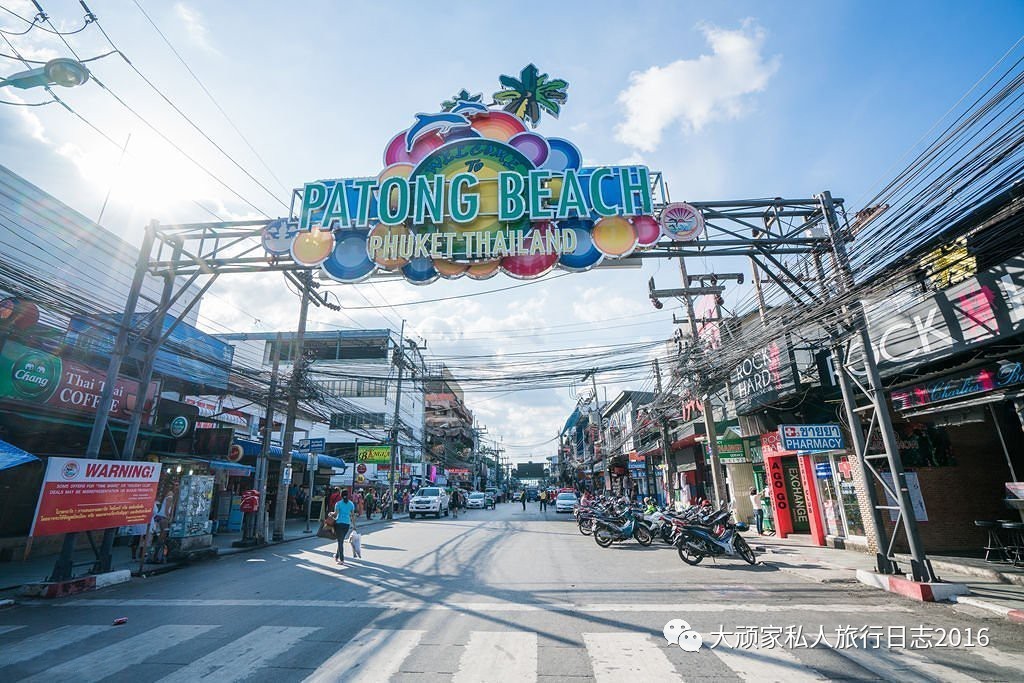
1014 615
950 567
60 589
916 590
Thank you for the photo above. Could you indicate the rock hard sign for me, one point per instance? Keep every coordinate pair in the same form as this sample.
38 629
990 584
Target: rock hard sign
82 494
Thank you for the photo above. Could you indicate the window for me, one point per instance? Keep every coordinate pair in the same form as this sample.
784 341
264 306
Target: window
357 421
333 349
366 388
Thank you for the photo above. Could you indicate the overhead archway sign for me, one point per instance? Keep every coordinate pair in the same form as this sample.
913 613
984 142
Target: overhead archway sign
472 191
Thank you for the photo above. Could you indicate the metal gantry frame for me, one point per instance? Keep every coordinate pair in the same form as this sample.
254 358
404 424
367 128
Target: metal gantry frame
191 257
765 231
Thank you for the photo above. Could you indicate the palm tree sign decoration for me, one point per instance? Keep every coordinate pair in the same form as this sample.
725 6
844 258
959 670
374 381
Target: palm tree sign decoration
526 96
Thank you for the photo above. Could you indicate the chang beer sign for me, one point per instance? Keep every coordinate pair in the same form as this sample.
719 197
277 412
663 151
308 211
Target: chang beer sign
27 374
472 191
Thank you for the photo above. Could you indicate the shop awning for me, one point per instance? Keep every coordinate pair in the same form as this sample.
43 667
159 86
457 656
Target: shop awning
12 456
234 469
253 448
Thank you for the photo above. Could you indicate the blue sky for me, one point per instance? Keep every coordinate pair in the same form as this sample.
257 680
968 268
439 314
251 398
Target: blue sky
728 99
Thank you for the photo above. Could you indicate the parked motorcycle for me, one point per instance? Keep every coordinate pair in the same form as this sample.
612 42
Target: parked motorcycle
608 530
715 537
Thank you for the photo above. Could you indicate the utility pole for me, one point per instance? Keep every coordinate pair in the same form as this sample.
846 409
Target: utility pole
263 461
298 365
708 409
64 566
665 441
400 361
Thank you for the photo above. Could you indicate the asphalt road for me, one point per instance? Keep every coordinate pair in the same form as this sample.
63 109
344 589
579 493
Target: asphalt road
496 595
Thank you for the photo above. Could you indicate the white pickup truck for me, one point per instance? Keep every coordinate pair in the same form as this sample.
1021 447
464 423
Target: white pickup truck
428 500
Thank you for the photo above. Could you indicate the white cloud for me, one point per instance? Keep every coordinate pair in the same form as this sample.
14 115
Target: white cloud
695 92
193 21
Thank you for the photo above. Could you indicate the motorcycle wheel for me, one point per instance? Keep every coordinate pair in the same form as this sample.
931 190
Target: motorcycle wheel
586 527
604 537
643 536
745 551
686 553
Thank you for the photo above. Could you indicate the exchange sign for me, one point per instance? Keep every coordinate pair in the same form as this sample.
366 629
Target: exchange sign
824 437
82 494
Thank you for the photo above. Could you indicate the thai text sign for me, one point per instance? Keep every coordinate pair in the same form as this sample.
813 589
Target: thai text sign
374 454
82 494
34 376
824 437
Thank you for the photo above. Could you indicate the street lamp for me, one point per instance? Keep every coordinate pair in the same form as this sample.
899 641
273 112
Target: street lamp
61 71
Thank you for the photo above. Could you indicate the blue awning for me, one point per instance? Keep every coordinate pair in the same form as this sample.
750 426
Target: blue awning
12 456
253 448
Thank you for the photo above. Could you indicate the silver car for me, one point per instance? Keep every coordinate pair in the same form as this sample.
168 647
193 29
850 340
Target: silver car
476 500
565 502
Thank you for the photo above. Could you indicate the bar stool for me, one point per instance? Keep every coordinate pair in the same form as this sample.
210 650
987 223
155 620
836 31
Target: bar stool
1015 542
995 544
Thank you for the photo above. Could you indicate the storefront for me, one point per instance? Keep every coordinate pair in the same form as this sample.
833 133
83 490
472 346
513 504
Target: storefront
961 431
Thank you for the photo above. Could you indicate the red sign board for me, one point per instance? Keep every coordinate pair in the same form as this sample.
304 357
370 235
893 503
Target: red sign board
82 494
771 446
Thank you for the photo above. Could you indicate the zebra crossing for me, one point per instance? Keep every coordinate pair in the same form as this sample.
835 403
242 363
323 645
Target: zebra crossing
182 652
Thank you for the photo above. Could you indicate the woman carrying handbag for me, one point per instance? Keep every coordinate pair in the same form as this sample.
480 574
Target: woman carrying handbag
344 511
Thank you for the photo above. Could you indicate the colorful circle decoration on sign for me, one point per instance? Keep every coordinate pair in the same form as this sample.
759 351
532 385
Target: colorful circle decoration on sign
349 261
312 248
681 222
586 255
473 190
614 236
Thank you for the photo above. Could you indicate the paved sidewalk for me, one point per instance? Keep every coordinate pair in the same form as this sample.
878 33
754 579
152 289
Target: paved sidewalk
13 575
997 588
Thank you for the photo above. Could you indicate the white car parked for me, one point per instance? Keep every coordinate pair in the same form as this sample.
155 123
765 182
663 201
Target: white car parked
565 502
429 500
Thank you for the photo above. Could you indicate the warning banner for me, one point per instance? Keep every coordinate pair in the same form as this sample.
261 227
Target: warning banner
81 494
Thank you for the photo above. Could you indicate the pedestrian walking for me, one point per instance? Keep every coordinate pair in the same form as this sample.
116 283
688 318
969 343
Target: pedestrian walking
344 519
522 498
755 500
543 501
369 501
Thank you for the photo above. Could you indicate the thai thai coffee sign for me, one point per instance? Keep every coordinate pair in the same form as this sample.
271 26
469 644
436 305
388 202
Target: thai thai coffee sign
34 376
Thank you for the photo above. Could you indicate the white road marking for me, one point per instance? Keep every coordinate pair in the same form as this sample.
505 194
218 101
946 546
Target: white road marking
33 647
242 658
8 629
765 665
497 657
373 655
416 606
999 658
618 656
129 652
901 665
